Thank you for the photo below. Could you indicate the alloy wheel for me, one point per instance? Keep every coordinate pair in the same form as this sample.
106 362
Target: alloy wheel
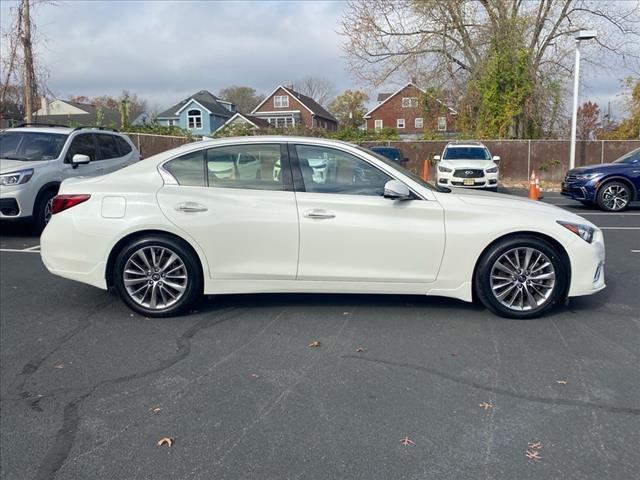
615 197
48 208
155 277
522 278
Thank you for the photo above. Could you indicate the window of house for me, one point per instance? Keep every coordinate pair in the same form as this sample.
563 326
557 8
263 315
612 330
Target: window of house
281 122
419 122
378 124
400 123
194 118
327 170
442 124
409 102
171 123
281 101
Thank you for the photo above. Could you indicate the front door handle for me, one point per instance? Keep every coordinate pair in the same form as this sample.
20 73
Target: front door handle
191 207
319 213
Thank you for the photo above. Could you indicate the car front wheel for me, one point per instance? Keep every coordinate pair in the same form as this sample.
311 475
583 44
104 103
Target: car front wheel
614 197
520 277
157 276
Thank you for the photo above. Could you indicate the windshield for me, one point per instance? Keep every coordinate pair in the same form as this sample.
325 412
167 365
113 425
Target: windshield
631 157
466 153
403 170
31 145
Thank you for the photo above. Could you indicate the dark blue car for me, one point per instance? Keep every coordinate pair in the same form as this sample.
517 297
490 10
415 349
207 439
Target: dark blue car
392 153
611 186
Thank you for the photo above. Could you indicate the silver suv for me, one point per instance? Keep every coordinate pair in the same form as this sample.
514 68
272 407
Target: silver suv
35 158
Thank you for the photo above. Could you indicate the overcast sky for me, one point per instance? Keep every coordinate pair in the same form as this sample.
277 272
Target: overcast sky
166 50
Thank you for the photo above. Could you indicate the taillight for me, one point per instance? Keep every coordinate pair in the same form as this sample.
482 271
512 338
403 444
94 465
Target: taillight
63 202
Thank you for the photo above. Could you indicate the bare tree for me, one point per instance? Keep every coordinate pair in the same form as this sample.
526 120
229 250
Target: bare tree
588 121
19 65
453 42
322 90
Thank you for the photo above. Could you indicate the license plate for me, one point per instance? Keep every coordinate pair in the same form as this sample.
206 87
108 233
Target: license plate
468 181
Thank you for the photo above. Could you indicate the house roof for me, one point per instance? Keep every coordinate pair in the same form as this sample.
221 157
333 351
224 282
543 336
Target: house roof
205 98
255 121
110 116
390 96
307 102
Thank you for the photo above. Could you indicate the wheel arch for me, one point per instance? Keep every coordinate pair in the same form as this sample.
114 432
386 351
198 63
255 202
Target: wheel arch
564 255
46 188
120 244
617 178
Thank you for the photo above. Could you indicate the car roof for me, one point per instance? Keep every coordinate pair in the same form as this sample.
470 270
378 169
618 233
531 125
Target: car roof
65 130
465 144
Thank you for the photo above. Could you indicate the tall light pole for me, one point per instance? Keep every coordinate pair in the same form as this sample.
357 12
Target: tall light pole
582 35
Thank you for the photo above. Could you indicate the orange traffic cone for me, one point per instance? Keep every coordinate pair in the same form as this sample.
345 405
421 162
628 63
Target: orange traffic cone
538 191
425 170
533 192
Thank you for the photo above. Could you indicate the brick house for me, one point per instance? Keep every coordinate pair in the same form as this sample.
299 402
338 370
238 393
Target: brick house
404 110
285 107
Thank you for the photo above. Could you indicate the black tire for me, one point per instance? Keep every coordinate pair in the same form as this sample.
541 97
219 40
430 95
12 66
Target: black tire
614 202
482 279
41 210
192 283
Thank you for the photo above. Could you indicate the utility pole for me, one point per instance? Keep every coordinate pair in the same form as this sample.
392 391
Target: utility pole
29 75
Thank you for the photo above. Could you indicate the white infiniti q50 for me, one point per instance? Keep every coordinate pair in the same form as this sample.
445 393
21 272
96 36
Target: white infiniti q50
165 230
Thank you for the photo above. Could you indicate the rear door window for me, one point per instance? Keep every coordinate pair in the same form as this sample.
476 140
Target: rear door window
108 146
123 146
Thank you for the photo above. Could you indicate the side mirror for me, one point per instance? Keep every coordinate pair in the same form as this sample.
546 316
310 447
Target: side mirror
79 159
496 158
436 158
396 190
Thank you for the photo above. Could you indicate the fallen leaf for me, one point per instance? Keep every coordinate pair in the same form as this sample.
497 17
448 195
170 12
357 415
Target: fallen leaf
406 441
359 349
345 313
486 405
533 455
535 445
255 376
315 343
454 354
60 365
156 409
561 382
168 441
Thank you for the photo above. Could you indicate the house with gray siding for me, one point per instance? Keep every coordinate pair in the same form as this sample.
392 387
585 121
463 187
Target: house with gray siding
202 113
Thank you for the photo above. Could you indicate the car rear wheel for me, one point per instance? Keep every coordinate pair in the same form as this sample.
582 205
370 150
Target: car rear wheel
157 276
520 277
614 196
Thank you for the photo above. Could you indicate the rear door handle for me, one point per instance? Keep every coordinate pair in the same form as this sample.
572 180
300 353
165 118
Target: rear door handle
191 207
319 213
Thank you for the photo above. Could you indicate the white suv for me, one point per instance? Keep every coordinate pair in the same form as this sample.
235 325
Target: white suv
34 159
467 164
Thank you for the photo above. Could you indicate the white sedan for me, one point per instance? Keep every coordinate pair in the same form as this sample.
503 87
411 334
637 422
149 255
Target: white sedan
165 230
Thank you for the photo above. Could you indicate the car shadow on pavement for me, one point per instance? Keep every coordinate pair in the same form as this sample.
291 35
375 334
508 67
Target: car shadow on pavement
16 229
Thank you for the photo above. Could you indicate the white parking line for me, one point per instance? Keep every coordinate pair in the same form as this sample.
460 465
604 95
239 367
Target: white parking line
612 214
635 251
619 228
34 249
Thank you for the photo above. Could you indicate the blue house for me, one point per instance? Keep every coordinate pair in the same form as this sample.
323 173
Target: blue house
202 113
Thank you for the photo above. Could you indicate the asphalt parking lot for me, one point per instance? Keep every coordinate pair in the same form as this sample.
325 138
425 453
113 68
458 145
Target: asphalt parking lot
88 388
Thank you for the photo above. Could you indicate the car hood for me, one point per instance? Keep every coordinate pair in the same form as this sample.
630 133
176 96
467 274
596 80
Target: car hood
464 164
500 202
8 166
602 167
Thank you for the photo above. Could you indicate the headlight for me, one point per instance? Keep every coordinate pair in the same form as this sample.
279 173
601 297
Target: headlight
444 169
492 170
16 178
585 232
586 176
